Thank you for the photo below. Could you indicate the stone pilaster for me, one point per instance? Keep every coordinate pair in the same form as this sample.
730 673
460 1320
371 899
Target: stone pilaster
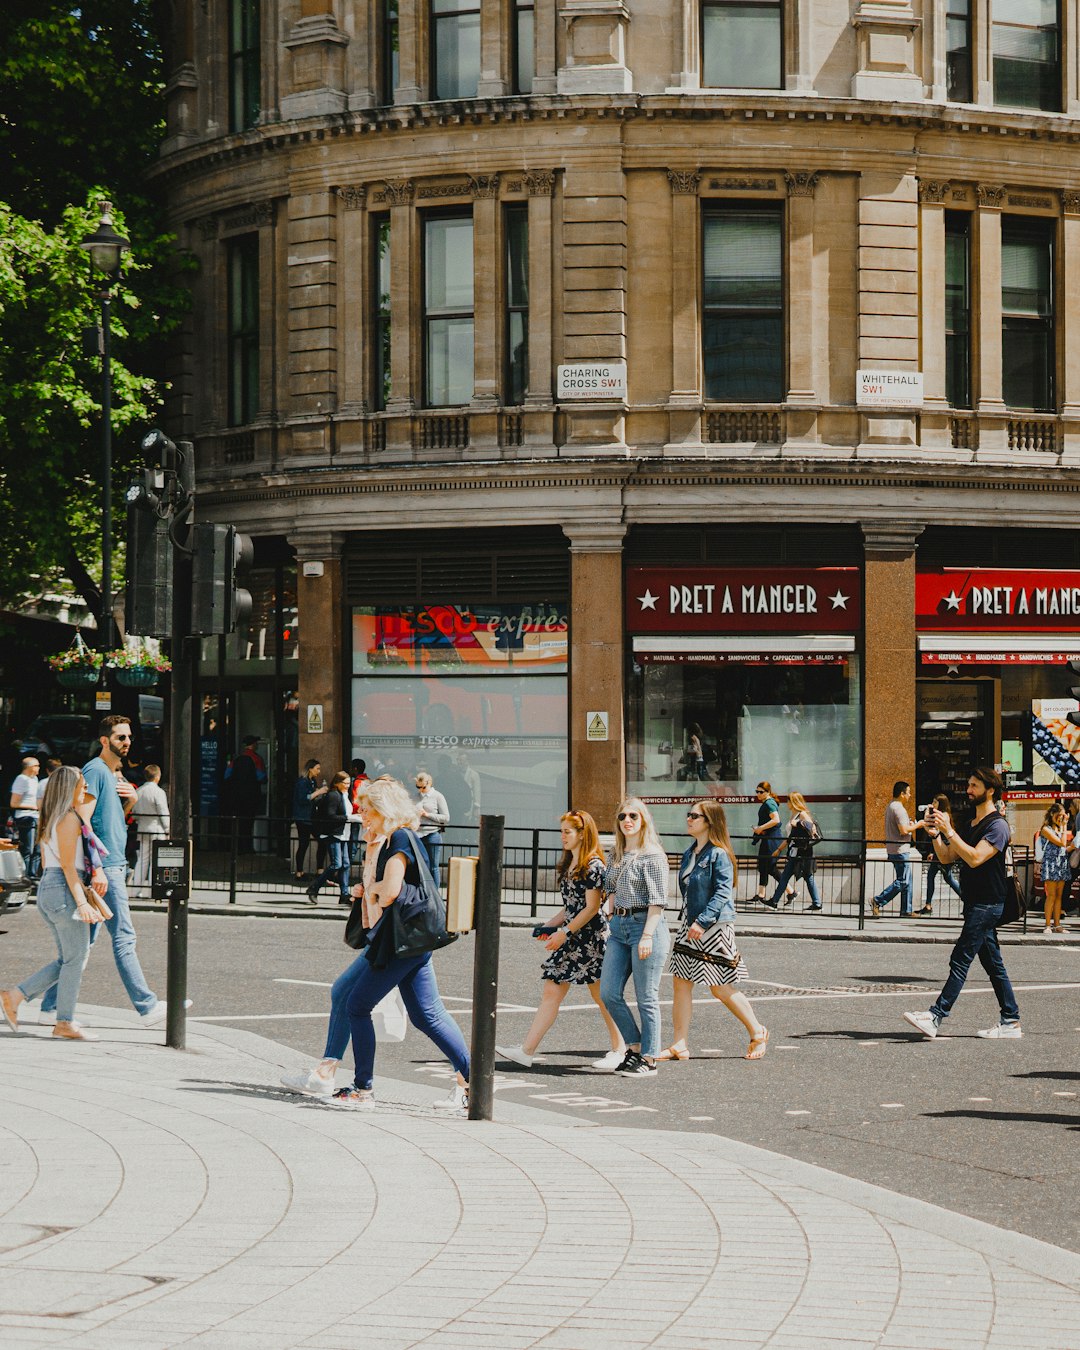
353 291
541 187
412 38
405 252
686 47
595 50
487 300
323 630
932 196
802 349
315 83
495 48
312 304
987 287
885 67
545 16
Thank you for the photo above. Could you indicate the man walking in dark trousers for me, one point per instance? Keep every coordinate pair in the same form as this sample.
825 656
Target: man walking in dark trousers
980 850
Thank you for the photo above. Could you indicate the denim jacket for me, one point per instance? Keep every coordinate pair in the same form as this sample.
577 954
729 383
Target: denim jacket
708 892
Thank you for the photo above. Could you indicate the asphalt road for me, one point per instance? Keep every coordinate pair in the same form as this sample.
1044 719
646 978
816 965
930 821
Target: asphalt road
982 1127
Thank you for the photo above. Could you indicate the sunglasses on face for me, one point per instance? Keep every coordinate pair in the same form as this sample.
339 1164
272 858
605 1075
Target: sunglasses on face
629 815
695 815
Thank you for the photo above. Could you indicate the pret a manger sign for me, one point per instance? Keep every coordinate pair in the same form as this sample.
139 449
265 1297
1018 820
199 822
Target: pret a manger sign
743 599
989 599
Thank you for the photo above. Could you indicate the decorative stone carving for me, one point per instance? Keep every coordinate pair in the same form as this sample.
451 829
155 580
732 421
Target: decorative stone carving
801 183
354 196
444 189
208 227
255 214
540 183
684 182
398 191
1070 201
484 185
933 191
990 198
742 184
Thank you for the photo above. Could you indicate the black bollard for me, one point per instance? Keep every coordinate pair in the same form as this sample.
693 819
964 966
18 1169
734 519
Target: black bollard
489 871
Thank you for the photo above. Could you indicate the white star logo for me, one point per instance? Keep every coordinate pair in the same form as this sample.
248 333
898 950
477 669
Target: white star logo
839 600
953 600
648 600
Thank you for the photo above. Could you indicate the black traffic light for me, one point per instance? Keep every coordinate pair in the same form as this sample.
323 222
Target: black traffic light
149 571
221 558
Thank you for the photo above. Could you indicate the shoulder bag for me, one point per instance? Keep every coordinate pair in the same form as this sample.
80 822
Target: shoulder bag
1015 906
418 915
95 901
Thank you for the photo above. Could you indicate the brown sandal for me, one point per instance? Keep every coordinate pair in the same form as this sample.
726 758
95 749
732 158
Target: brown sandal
672 1053
758 1044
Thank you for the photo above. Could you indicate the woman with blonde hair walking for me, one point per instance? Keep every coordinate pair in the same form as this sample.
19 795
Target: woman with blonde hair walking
575 939
63 903
704 952
802 835
636 883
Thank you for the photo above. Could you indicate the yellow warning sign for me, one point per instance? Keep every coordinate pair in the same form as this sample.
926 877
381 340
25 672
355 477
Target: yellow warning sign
596 726
314 719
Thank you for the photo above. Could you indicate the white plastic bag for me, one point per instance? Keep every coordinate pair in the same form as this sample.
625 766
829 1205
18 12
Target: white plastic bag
389 1018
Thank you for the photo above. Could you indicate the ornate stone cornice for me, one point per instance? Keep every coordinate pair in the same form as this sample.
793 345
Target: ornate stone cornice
398 191
989 197
253 215
933 191
801 183
484 185
684 182
354 196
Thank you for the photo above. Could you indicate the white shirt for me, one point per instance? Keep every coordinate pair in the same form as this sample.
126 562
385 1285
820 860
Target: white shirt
26 789
152 809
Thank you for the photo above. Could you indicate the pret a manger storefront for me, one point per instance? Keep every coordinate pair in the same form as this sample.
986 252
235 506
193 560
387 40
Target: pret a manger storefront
994 683
762 665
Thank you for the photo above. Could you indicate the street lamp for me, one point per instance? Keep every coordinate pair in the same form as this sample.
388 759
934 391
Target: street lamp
106 247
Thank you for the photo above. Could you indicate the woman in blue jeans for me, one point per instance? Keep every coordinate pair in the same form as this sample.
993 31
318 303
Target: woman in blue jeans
636 885
390 819
61 902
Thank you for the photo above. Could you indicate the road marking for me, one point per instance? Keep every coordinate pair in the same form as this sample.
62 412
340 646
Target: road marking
868 1043
892 1106
1064 1094
314 984
701 1117
979 1099
260 1017
796 1113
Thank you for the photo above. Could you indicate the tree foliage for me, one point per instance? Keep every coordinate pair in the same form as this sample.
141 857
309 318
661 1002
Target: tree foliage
81 116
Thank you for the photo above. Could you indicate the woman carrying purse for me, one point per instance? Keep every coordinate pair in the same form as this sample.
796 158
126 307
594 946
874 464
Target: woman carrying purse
802 835
704 952
65 904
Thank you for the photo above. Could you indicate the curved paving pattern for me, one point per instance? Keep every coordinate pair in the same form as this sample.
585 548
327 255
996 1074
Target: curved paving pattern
150 1199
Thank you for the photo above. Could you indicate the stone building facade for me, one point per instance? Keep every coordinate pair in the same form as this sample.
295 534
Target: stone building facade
566 357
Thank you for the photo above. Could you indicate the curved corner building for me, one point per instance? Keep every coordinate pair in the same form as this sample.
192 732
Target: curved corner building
591 372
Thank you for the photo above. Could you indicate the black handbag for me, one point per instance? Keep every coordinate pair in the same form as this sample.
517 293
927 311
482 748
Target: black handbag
356 934
418 915
1012 911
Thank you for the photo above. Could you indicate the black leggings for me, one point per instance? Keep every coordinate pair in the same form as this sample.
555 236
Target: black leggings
766 865
303 839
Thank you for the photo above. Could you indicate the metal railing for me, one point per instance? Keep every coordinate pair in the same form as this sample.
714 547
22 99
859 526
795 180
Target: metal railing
242 858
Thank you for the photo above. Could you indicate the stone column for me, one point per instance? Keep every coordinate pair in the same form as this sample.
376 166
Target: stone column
494 49
982 60
353 290
312 304
802 346
597 768
544 17
404 253
891 662
412 64
686 48
684 401
541 187
1070 323
932 195
987 287
320 612
486 297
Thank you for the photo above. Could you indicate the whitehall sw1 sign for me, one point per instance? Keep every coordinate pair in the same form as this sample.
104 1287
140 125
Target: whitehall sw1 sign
590 380
889 388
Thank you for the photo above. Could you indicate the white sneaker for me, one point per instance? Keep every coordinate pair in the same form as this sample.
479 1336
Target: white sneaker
610 1062
515 1054
925 1022
1004 1031
158 1013
458 1100
1047 932
308 1083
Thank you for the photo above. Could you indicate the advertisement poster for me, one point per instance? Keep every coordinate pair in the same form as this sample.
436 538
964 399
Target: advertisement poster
1055 742
485 638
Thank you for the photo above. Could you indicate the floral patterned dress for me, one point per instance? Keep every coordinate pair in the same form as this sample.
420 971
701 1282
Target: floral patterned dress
579 959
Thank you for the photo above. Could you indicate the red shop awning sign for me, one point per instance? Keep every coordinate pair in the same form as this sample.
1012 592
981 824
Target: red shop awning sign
997 599
743 599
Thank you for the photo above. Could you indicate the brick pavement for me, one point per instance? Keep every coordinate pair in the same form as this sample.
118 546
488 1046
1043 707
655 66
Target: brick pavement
156 1199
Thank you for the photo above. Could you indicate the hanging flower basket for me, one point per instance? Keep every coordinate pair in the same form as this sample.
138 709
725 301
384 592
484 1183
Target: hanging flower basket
137 667
77 668
137 677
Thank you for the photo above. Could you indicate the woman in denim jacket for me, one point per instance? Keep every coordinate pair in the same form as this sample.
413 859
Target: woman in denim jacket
704 953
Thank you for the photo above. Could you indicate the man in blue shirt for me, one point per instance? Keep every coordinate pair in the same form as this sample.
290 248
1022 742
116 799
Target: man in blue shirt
111 789
980 850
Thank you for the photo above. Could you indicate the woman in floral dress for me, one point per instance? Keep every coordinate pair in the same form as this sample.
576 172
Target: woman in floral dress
575 937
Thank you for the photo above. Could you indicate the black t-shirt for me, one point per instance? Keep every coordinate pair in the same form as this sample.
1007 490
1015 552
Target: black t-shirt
399 842
985 885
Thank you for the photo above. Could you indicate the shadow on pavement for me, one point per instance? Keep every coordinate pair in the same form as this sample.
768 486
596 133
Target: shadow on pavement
1064 1075
1023 1117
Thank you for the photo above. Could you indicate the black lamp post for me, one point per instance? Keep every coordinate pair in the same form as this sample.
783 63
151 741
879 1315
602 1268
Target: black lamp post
106 248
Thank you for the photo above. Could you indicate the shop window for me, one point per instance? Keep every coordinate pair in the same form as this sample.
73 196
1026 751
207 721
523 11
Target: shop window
381 310
958 309
1026 46
524 46
743 309
455 48
243 319
742 44
517 304
1027 307
958 82
448 310
244 64
389 31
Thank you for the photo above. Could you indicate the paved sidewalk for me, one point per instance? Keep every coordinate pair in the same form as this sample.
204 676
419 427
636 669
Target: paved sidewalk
155 1199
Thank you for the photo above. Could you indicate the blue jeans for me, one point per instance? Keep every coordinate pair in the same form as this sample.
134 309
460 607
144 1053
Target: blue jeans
63 976
26 829
433 848
932 873
621 960
122 932
900 884
361 987
978 937
785 877
337 866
